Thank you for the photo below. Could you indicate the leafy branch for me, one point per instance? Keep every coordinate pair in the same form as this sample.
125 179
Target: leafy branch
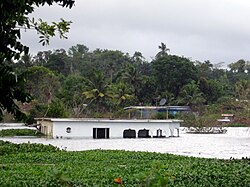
46 30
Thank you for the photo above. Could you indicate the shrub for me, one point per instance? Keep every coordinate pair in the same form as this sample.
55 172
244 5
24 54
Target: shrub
236 125
7 148
20 132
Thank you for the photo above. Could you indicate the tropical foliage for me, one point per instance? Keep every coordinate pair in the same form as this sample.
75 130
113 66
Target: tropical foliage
14 16
101 83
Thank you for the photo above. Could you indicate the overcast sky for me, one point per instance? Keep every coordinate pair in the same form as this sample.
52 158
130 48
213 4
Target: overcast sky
215 30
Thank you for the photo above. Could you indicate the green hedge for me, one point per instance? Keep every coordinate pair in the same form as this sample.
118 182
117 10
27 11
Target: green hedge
7 148
20 132
236 125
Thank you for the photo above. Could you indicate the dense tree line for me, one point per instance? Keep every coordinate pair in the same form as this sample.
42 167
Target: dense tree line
100 83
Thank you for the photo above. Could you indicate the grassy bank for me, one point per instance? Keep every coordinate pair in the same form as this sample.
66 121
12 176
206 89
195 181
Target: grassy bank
19 132
48 166
236 125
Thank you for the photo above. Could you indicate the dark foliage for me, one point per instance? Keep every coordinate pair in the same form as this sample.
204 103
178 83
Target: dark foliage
13 17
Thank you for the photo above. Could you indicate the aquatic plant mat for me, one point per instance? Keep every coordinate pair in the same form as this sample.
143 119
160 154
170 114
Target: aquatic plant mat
41 165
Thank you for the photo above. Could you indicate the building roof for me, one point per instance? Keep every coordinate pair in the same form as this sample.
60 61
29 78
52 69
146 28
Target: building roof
227 115
169 108
108 120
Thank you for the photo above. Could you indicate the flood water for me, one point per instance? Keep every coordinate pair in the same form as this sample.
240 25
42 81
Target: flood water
235 143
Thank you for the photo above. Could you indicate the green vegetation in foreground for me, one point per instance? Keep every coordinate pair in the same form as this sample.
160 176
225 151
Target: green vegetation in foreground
46 166
20 132
237 125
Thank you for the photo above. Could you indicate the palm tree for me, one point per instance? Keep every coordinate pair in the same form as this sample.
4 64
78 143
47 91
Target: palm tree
133 78
111 69
121 94
163 50
191 95
169 97
97 89
242 90
138 57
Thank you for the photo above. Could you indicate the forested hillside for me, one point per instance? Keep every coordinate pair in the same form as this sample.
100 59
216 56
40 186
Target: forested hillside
77 82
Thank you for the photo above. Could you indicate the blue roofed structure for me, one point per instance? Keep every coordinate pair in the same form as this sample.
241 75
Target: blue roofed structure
148 111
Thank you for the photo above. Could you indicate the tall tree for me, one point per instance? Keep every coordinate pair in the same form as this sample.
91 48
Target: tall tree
13 15
23 63
71 94
59 62
138 58
172 73
12 91
204 69
242 90
239 66
42 58
216 91
121 94
132 77
42 84
97 90
76 53
163 50
26 60
191 95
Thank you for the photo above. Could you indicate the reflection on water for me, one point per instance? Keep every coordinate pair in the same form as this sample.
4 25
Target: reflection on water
235 143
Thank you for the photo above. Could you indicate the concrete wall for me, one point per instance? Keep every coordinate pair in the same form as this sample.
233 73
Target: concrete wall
84 129
46 127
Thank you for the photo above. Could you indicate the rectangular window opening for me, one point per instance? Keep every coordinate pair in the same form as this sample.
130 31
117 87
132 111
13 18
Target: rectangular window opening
100 133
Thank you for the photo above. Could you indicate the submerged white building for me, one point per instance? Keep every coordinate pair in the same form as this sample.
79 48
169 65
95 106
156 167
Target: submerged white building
108 128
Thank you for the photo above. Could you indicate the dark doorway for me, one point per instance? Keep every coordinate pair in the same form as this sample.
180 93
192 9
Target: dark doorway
99 133
129 133
159 134
143 133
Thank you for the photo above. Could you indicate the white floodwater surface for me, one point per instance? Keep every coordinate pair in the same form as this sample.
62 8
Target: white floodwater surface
234 144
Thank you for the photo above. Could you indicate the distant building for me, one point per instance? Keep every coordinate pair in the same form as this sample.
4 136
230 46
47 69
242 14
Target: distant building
227 118
108 128
149 111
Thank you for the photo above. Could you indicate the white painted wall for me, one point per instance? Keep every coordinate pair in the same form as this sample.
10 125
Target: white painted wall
84 128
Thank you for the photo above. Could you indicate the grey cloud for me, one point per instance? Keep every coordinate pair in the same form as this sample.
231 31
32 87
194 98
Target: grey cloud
200 29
